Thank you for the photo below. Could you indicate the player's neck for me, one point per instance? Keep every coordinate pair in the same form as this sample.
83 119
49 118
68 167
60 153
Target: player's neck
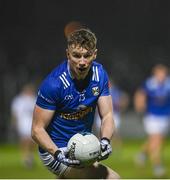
73 75
82 84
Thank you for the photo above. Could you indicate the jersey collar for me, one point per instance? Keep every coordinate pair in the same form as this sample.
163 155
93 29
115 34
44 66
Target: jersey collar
69 71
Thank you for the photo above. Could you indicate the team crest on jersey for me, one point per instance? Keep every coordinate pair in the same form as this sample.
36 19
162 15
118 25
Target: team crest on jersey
95 91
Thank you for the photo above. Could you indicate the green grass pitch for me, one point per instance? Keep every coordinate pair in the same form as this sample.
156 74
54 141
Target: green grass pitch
121 161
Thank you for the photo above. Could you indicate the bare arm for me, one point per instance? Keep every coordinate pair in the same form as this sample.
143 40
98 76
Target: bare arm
105 109
140 101
41 119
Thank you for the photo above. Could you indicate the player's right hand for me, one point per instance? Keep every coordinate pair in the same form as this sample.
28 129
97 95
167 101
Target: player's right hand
59 155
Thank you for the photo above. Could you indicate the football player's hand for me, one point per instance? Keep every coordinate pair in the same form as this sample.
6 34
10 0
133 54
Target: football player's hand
61 157
106 149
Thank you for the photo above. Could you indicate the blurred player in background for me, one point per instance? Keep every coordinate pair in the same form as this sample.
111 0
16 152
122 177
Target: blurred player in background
22 111
153 98
66 104
120 101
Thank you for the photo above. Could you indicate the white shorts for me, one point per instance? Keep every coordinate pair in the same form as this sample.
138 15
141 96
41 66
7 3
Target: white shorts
156 124
52 164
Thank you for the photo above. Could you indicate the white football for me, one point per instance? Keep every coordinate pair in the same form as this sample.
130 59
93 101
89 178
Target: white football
84 147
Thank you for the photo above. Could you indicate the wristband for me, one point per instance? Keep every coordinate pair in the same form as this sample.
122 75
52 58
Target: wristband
57 153
105 138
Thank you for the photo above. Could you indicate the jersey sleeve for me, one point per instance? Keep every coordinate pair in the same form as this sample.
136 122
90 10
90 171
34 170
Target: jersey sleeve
48 94
105 85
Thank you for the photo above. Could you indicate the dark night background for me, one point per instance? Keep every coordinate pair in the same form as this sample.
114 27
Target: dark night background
133 35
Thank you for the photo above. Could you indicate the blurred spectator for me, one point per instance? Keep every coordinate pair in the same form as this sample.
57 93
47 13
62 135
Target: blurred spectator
72 26
22 109
153 98
120 101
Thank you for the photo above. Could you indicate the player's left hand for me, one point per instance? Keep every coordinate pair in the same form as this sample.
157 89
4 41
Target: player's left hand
106 149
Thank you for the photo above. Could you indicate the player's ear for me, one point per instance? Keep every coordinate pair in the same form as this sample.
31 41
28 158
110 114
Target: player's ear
67 53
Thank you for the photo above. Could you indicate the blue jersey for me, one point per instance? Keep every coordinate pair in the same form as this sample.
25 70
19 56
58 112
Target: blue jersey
116 94
74 110
158 96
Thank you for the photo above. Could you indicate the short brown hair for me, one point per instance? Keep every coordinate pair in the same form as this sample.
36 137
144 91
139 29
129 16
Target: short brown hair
84 38
162 67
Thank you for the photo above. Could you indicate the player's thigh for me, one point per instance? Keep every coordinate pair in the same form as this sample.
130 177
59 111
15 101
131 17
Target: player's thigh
96 171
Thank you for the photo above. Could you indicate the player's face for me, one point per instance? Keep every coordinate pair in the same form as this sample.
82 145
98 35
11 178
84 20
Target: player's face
80 60
160 74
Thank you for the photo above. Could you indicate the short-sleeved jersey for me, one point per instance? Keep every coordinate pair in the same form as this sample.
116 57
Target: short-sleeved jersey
158 96
74 110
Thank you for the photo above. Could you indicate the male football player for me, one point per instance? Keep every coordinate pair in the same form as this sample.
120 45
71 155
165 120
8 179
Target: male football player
153 98
66 103
22 107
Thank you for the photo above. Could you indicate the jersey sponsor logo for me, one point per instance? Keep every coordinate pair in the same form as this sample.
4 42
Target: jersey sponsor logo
68 97
81 107
77 115
64 80
95 76
95 91
46 99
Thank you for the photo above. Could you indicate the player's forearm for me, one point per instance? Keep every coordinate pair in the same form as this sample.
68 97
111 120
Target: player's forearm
41 137
107 126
